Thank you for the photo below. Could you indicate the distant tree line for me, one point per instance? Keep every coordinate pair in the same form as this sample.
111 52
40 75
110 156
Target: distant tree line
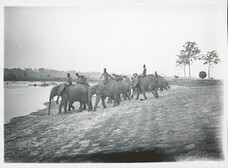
42 74
191 53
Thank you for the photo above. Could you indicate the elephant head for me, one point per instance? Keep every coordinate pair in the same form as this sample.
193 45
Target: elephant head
135 81
55 91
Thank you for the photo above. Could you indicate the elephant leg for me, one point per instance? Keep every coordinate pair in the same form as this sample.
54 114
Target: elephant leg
84 106
118 99
138 93
98 97
129 94
63 103
144 94
60 106
80 107
115 103
90 106
132 95
65 107
124 96
70 106
161 88
109 100
103 102
155 93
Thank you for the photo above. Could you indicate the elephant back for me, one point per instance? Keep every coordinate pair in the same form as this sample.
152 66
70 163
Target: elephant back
109 88
148 80
75 92
124 85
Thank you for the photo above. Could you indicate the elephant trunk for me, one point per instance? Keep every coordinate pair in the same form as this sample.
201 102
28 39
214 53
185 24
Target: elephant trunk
51 96
90 106
49 106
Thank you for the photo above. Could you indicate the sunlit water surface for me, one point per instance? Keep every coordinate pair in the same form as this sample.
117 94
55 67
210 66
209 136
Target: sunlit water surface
21 99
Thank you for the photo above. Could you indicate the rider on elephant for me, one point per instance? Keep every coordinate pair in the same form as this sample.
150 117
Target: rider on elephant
106 75
156 74
69 80
118 77
65 86
82 79
144 71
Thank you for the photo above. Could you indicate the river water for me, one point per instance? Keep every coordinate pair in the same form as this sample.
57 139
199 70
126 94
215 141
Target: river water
21 99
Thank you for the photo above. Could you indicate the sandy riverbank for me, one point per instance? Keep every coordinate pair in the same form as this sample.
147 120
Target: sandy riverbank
184 123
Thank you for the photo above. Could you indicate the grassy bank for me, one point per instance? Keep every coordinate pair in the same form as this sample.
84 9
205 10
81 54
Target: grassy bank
195 82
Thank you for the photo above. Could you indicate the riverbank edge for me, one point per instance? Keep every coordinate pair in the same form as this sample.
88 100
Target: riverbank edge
177 82
38 112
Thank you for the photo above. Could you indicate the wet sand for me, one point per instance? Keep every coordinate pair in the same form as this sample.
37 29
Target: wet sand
184 123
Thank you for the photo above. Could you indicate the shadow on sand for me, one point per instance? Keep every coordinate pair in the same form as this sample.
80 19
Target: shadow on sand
129 156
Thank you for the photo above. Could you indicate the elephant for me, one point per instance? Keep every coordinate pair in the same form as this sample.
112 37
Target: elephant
147 83
125 88
110 89
72 93
55 91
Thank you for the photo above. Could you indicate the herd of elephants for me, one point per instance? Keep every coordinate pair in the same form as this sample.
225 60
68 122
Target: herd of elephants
114 89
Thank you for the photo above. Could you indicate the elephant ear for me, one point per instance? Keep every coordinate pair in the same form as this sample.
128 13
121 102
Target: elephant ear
61 88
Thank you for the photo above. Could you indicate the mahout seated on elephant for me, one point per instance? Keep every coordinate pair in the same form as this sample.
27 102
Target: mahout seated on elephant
118 77
81 79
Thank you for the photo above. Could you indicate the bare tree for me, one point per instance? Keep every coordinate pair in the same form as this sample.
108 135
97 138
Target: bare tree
211 58
182 61
188 55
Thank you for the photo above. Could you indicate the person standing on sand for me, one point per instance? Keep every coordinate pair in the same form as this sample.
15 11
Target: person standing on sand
105 75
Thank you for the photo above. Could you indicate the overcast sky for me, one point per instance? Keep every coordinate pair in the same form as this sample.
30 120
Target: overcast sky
121 38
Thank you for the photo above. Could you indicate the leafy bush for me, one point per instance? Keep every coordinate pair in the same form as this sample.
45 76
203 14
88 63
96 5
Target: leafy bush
202 74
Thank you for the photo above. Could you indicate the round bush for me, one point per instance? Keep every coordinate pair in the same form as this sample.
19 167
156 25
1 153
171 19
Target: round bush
202 74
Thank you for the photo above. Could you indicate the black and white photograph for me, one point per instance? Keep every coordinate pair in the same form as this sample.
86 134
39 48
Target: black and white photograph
114 82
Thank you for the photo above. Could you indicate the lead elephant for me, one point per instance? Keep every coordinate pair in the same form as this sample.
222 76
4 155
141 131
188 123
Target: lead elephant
76 93
55 91
163 83
110 89
147 83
